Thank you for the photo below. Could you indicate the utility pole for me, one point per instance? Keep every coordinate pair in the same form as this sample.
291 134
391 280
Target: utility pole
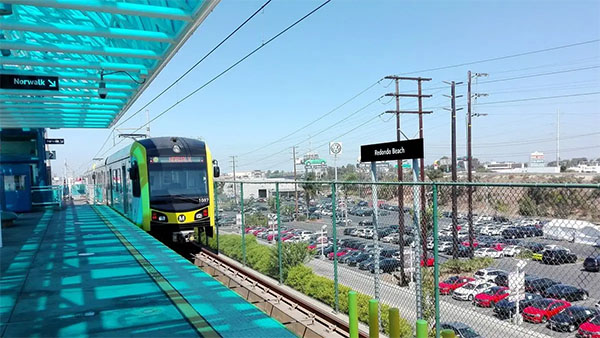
470 115
558 139
454 169
234 183
397 112
295 179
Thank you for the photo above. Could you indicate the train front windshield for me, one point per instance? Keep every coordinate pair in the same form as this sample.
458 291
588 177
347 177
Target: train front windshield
180 185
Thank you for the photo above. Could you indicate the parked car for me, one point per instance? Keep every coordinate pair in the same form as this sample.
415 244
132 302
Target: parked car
543 309
461 330
522 232
365 223
571 318
558 256
532 246
488 274
386 265
491 296
487 252
452 283
469 290
566 292
590 329
506 309
366 264
348 231
539 285
343 222
346 258
592 263
354 261
511 250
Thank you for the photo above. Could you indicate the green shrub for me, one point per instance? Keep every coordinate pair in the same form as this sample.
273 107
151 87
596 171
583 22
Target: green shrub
525 254
457 266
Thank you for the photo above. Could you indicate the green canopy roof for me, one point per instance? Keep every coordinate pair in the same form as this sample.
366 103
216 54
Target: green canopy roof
126 42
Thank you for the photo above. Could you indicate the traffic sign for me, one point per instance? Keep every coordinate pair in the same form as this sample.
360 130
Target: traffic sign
335 148
272 219
29 82
55 141
51 155
397 150
516 284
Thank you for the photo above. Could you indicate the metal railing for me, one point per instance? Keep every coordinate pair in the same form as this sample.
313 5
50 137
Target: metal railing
50 195
411 259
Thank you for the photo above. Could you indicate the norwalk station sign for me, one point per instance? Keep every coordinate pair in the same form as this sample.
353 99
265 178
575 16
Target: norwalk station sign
397 150
29 82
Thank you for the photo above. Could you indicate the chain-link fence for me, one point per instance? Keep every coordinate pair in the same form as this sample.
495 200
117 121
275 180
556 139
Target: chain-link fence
502 260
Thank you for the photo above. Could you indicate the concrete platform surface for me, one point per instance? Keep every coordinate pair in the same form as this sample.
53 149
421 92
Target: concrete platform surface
87 271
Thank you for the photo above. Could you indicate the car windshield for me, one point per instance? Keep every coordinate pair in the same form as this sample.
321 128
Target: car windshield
541 303
469 286
451 280
468 332
574 312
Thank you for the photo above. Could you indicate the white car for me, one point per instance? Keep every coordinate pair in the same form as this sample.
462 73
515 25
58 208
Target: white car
511 250
390 238
444 246
487 252
305 235
488 275
555 247
469 290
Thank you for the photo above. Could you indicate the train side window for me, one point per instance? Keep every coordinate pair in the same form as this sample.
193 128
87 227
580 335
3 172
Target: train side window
134 176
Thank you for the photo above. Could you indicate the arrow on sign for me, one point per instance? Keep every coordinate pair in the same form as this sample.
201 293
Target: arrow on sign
52 83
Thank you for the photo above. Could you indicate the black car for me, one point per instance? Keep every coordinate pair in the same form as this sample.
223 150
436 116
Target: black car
501 279
353 261
566 292
388 253
348 231
365 223
461 330
570 318
463 251
386 265
507 309
522 232
352 254
592 263
539 285
532 246
558 256
366 264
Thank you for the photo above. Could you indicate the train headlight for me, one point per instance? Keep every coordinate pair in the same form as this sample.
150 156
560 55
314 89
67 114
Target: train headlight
157 216
202 213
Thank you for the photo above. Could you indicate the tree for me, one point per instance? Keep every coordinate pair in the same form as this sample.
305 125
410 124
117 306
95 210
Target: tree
310 189
434 174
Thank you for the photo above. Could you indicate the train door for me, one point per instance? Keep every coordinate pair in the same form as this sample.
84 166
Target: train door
124 190
110 187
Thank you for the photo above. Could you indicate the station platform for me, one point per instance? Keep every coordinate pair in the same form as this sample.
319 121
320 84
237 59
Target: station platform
87 271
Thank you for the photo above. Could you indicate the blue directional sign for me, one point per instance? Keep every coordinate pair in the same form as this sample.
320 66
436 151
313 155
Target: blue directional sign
30 82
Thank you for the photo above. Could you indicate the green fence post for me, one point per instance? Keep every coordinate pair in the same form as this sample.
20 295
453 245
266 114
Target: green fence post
278 233
353 314
243 224
436 266
421 328
374 319
394 322
335 248
216 194
448 334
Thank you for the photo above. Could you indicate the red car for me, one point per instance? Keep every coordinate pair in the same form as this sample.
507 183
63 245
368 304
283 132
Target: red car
491 296
590 329
312 246
453 283
466 244
339 254
286 237
543 309
430 262
497 246
248 229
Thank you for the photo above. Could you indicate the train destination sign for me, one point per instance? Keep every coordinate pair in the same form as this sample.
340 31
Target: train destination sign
55 141
29 82
397 150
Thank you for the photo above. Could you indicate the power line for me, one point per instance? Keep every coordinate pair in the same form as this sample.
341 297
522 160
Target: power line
235 64
505 57
188 71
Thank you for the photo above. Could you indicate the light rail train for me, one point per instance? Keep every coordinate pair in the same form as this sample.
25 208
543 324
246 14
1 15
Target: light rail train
163 184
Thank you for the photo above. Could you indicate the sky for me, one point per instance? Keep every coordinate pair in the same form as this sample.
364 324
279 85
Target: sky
349 46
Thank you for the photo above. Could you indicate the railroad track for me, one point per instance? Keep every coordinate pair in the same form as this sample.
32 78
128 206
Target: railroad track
299 315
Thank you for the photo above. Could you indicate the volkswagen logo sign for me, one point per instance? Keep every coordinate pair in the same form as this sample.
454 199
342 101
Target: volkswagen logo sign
176 149
181 218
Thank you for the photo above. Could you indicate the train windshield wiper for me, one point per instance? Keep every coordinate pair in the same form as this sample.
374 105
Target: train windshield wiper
186 198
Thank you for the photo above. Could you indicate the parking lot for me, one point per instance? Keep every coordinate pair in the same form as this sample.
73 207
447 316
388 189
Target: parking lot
572 274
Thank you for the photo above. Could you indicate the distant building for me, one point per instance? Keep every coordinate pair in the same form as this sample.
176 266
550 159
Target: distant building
502 166
591 167
262 189
382 167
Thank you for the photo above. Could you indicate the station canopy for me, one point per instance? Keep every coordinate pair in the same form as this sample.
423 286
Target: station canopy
84 45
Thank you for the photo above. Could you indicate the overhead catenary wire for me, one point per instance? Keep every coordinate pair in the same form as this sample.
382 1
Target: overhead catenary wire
233 65
187 71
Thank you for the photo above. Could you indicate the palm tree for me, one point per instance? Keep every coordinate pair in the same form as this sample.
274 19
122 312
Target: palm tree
310 189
